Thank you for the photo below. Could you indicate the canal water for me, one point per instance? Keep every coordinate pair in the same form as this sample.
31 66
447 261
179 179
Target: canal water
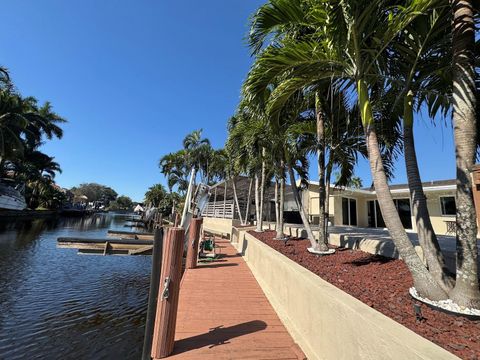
55 304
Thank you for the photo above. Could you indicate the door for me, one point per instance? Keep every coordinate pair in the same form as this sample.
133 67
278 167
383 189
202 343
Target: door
403 208
349 211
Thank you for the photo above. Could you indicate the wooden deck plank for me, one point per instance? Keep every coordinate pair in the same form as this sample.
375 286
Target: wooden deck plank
224 314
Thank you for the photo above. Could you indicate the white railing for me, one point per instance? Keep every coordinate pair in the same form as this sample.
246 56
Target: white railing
219 209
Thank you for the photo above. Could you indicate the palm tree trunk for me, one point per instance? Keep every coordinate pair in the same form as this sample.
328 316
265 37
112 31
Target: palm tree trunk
322 243
328 179
423 281
466 291
426 235
257 203
277 209
280 234
247 210
236 200
301 210
262 189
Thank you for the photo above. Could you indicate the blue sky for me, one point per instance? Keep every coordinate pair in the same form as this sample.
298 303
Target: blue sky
133 77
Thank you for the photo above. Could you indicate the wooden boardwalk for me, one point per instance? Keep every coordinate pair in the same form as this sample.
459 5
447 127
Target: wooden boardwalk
224 314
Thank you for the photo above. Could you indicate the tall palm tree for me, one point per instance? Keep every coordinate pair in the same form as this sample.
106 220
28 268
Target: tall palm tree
174 166
344 40
13 124
419 61
343 143
466 291
198 152
246 146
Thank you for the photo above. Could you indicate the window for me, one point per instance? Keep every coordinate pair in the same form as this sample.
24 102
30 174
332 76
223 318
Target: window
448 205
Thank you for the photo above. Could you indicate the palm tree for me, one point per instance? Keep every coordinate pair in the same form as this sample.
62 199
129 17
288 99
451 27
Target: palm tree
345 40
419 63
198 152
13 125
342 142
174 166
43 121
466 291
155 194
246 146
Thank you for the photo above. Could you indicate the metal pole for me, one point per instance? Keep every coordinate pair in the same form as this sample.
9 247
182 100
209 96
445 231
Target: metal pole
153 293
188 198
225 200
215 203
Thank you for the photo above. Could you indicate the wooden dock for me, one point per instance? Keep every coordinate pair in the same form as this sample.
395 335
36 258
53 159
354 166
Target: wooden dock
224 314
108 246
130 234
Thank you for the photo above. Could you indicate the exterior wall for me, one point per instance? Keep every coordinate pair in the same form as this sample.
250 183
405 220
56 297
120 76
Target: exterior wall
310 198
435 209
362 212
309 306
337 210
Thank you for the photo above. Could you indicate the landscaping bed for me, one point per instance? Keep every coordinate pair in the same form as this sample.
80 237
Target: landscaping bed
382 283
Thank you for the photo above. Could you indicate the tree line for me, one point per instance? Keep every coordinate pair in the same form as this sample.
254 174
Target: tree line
25 125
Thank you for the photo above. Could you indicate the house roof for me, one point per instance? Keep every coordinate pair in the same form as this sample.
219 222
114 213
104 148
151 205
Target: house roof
427 184
435 185
242 184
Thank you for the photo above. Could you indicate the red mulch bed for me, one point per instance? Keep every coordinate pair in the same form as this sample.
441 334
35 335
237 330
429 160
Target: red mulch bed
383 284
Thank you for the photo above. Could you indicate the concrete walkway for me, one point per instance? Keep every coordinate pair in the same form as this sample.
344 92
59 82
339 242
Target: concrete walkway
224 314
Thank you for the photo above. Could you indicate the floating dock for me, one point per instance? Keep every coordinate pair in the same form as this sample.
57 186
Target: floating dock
109 246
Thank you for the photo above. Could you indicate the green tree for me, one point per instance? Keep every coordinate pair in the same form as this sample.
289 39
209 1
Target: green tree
155 195
24 126
345 41
121 203
95 192
197 154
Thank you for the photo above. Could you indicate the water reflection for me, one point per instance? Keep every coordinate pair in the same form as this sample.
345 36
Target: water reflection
55 304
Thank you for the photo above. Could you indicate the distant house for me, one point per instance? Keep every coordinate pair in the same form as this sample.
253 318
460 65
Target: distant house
359 207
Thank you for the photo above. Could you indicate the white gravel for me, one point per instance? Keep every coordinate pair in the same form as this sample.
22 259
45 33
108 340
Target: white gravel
448 305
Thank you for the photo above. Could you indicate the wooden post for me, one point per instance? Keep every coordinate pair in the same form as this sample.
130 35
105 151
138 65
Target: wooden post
177 219
476 189
153 293
169 288
193 239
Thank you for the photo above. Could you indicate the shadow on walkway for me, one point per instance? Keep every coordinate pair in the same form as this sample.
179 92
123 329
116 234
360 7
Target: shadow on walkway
218 336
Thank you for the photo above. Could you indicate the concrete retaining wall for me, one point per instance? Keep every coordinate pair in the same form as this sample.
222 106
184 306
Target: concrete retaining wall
219 226
326 322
